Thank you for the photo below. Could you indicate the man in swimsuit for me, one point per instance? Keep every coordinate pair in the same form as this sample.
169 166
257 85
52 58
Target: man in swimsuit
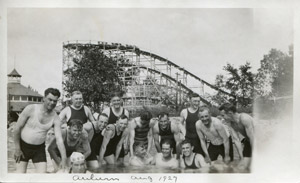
214 131
31 131
113 140
141 131
78 164
240 123
165 129
189 117
164 159
75 140
113 113
95 133
77 110
140 157
191 160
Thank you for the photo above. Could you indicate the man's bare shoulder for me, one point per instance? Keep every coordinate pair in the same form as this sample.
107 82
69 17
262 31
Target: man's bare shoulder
84 135
246 119
106 111
198 124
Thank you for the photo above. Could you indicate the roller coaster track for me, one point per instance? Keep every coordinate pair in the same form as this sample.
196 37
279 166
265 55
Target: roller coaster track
134 55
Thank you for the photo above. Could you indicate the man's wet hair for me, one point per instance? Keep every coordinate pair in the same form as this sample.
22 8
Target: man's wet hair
123 116
138 144
186 141
75 122
76 93
102 114
146 115
204 108
162 114
53 91
116 94
227 107
166 141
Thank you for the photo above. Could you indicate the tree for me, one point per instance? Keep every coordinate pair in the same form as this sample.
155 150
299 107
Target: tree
239 82
94 74
275 75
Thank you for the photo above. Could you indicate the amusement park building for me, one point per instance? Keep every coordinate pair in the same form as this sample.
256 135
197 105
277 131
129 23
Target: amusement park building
18 95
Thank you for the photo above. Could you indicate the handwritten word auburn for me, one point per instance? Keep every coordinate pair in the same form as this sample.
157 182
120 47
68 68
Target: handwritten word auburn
91 177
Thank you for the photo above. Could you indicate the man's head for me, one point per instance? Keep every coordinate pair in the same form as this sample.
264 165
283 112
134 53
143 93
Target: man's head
163 120
166 148
227 111
75 128
139 149
204 115
194 100
116 100
122 122
77 163
50 98
77 99
102 121
187 148
145 117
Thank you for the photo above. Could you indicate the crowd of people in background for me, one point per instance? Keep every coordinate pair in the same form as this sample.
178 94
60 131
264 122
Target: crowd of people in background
84 141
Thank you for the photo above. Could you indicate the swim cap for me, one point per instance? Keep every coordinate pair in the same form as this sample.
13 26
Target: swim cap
76 157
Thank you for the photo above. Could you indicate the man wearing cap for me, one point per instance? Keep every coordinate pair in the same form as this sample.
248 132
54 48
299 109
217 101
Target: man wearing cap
77 110
78 164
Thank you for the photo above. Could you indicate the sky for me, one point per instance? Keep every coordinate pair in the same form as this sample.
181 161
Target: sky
202 40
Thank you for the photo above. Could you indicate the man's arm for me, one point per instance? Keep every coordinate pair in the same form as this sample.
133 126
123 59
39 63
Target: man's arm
17 131
63 115
85 144
119 146
200 161
150 140
89 114
237 142
183 115
88 128
176 131
222 132
181 165
156 138
202 141
131 136
59 141
51 149
247 121
107 136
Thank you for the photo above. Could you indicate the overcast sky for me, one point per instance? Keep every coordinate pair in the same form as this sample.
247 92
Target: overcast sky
200 40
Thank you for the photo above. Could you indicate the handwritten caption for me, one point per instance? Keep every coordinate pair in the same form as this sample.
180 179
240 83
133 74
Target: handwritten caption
162 179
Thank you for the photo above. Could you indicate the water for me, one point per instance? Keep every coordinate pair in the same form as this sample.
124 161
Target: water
218 166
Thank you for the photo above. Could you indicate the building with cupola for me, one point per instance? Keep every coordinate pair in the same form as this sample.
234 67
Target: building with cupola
18 95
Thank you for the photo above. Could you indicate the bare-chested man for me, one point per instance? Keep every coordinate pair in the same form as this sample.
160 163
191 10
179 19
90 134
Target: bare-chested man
77 110
31 131
242 123
213 130
165 159
140 156
75 140
165 129
114 136
141 131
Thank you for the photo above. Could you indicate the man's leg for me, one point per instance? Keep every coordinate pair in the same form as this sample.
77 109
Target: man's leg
110 159
21 167
40 167
213 152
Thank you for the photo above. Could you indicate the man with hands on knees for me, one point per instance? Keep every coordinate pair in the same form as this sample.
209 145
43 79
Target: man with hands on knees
31 132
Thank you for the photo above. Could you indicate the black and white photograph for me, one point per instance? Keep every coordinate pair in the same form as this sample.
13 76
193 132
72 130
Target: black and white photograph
149 92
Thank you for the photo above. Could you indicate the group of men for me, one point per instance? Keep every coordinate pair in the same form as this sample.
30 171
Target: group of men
194 141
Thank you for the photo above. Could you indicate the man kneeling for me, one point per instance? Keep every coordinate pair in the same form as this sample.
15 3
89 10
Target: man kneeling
165 158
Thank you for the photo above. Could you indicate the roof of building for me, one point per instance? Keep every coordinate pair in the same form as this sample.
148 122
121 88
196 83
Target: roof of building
14 73
18 89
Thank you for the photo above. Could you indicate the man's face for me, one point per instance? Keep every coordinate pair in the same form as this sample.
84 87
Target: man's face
77 100
78 167
205 117
227 116
50 101
164 122
75 131
102 122
122 124
116 102
195 102
187 149
140 151
166 150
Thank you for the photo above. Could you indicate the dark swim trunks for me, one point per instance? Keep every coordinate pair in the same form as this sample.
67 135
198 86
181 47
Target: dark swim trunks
36 153
247 152
215 150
